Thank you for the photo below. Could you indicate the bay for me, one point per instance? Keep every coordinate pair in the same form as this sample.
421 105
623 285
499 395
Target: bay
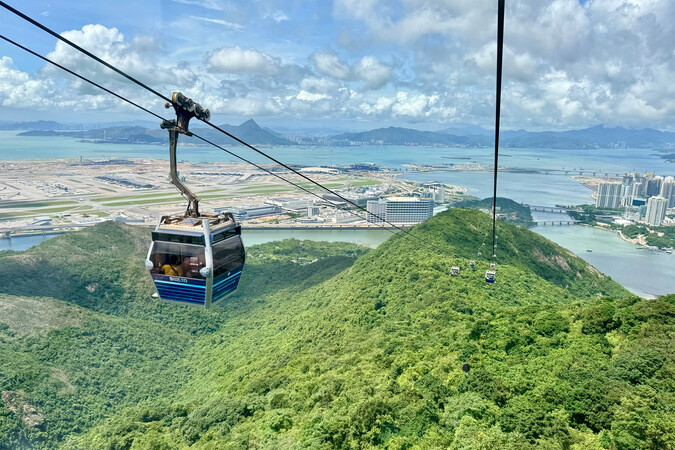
644 272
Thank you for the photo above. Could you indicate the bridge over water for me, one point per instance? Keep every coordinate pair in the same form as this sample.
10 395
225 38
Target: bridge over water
556 222
587 172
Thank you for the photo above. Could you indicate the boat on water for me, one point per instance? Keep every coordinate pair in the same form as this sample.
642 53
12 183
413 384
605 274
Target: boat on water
589 250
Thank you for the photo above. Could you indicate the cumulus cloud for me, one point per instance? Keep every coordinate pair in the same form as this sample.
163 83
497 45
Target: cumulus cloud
372 72
311 96
329 64
566 64
20 90
237 60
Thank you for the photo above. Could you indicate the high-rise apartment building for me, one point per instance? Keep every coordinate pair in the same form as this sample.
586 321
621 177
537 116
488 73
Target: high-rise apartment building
656 210
609 195
668 190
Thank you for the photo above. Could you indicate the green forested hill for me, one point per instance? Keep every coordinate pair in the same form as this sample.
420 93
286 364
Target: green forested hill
513 212
345 353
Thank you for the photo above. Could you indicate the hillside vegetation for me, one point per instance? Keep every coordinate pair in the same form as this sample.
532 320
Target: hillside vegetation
355 350
509 210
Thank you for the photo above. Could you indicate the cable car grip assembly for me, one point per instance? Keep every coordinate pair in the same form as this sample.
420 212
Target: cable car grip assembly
185 109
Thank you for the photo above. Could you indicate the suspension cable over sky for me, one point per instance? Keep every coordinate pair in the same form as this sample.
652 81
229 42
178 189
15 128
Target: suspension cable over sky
146 87
498 101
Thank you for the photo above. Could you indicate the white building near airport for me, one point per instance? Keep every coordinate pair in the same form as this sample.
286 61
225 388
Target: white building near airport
400 210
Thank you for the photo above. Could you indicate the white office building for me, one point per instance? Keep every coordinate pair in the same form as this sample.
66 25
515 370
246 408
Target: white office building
656 210
377 211
609 195
400 209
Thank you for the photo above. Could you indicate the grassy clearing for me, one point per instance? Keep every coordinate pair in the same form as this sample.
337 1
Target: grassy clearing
146 202
366 183
131 197
34 315
10 215
35 204
162 200
44 211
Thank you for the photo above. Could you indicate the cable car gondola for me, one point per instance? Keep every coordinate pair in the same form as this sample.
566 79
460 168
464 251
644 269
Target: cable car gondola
472 263
197 261
194 258
454 271
490 276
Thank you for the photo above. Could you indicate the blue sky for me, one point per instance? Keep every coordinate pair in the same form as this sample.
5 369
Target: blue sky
353 63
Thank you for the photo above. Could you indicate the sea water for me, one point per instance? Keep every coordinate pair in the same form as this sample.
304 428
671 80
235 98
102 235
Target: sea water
642 271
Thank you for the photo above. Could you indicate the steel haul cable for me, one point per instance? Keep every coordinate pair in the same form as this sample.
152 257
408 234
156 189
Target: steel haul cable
500 37
143 85
202 138
500 51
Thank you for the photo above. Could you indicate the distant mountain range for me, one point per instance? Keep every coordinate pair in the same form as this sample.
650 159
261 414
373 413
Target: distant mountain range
248 131
588 138
456 136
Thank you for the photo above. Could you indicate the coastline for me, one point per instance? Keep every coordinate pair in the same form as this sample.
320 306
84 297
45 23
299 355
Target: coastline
640 240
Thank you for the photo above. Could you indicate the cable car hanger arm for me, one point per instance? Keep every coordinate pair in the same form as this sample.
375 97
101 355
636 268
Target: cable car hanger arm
185 109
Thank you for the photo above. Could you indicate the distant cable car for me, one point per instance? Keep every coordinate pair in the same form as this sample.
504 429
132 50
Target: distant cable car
490 276
454 271
196 261
480 254
472 263
194 258
493 266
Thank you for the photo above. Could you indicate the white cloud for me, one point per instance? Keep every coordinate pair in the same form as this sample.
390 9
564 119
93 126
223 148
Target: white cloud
329 64
209 4
412 106
380 106
566 64
372 72
277 15
20 90
237 60
225 23
311 96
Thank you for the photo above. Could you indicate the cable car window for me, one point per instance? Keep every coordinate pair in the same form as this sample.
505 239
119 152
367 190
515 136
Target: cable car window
226 234
227 255
177 260
180 238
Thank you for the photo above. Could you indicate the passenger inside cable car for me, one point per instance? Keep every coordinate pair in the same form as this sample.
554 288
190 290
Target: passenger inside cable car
172 266
178 260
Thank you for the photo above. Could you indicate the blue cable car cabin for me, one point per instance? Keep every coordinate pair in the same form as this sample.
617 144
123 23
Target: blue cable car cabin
490 276
196 260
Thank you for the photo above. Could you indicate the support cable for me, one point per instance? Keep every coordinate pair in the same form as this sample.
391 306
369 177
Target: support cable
500 52
77 47
93 83
139 83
